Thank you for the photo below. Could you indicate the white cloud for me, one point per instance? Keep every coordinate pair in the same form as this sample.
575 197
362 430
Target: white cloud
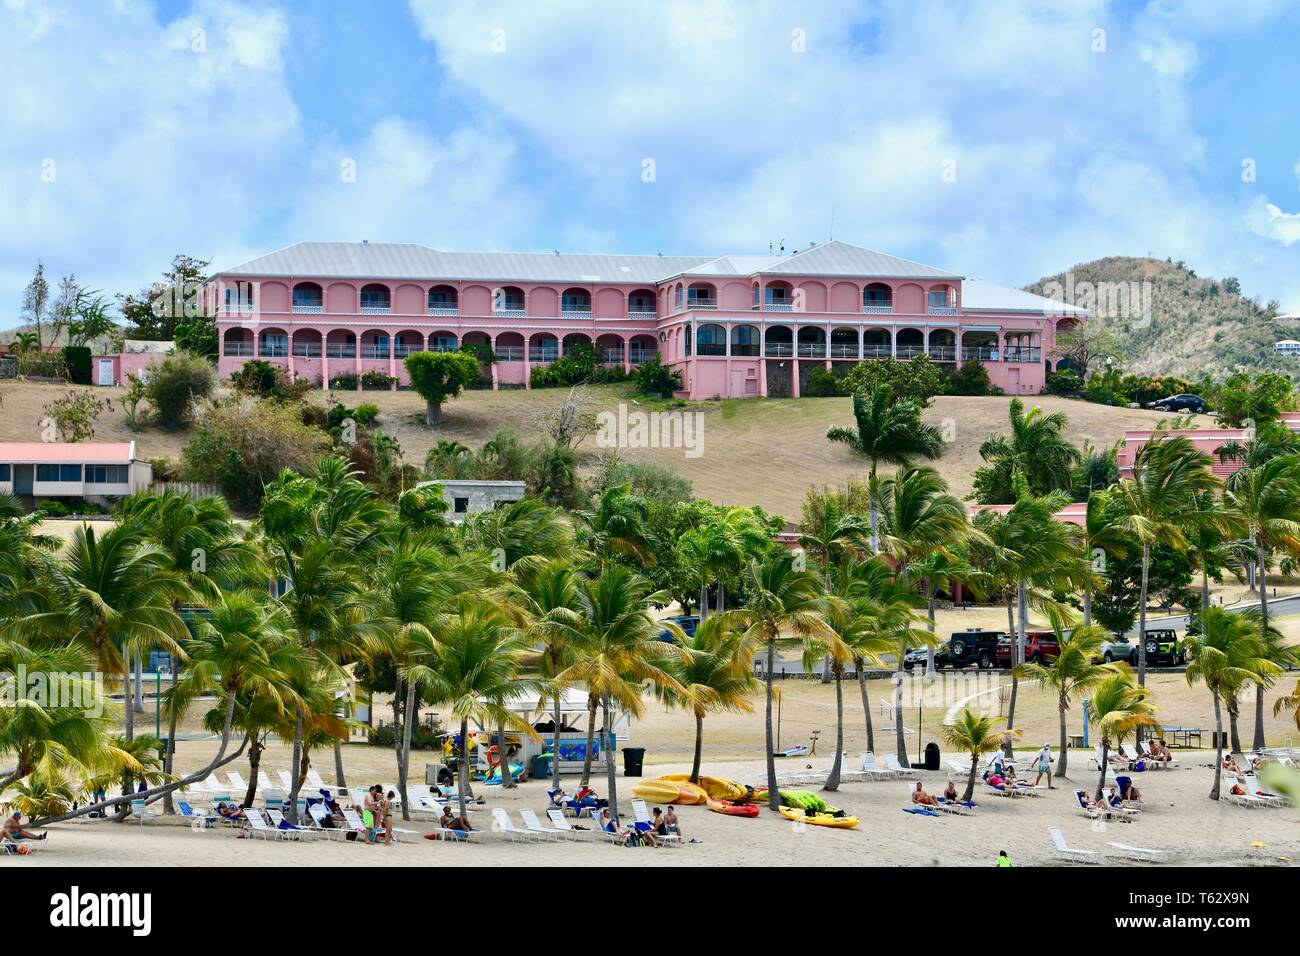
1270 221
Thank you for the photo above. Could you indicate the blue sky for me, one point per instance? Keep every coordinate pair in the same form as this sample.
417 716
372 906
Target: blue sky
1000 139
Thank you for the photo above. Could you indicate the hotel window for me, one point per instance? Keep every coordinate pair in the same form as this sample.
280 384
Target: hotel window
58 472
374 298
106 474
4 473
938 298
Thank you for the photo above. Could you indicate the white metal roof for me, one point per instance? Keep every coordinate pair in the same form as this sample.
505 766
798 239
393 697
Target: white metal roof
393 260
980 296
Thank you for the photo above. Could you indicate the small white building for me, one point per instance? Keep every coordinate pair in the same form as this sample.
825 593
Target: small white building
1287 347
90 470
466 497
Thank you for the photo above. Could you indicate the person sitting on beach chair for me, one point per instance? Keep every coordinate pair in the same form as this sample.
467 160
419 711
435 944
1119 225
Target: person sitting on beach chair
450 821
228 811
920 796
672 824
950 793
1230 764
1159 752
13 830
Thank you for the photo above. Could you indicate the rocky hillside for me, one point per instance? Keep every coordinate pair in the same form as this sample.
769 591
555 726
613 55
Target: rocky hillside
1197 325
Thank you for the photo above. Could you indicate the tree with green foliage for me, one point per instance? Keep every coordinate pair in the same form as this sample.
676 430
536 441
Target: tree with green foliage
917 379
656 378
1246 399
176 384
888 429
439 376
1036 447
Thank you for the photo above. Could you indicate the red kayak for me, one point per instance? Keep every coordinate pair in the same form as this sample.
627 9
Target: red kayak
733 809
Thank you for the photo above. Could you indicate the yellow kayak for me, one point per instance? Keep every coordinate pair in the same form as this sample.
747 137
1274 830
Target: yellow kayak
658 791
716 787
819 819
689 794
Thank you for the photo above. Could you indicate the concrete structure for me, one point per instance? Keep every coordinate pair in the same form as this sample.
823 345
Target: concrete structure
90 470
465 497
732 326
136 356
1287 347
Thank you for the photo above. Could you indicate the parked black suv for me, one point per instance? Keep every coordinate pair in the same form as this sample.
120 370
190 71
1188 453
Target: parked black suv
1179 403
962 649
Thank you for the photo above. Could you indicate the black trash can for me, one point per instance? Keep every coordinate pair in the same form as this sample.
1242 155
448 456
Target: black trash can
931 756
540 768
632 757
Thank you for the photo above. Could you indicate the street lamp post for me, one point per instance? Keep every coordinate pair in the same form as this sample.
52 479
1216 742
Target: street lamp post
1110 377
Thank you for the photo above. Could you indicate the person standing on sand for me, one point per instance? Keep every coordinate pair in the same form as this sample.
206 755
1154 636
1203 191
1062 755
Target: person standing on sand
1043 764
1003 860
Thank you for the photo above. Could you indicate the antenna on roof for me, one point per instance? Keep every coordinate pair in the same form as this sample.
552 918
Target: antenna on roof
556 251
782 249
365 242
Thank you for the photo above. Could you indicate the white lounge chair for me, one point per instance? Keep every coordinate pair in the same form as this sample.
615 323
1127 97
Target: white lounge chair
285 784
641 813
502 823
561 822
957 769
536 826
1250 783
274 797
280 823
1141 852
873 768
891 763
257 826
264 782
1119 814
316 782
1065 850
316 813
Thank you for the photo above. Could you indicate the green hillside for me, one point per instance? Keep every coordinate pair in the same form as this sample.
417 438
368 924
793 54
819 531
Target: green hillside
1197 325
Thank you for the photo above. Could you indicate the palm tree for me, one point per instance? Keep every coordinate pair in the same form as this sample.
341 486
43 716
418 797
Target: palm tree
710 678
113 594
473 662
1071 673
783 607
890 625
1118 707
918 519
1289 702
1226 653
718 543
620 651
1101 539
887 431
547 598
1267 500
1036 448
618 526
528 529
1159 501
975 736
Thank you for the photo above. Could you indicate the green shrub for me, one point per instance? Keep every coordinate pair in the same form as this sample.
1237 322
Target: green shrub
918 378
971 378
1066 381
655 378
376 380
423 737
824 383
439 376
176 384
77 360
347 382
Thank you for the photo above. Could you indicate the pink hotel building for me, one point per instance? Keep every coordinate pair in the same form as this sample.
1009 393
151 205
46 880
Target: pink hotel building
735 326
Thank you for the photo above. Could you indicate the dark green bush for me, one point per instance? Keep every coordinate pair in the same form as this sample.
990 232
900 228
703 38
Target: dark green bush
175 384
971 378
77 360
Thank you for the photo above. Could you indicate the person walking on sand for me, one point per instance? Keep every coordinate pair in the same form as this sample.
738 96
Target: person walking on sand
1043 764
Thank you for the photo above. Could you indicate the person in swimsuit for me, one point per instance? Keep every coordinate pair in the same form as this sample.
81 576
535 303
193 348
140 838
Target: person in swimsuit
13 829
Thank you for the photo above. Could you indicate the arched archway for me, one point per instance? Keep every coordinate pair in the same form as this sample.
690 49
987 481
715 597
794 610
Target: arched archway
876 344
306 343
844 343
710 339
376 299
308 297
543 347
778 341
909 343
237 343
943 345
744 340
812 342
273 343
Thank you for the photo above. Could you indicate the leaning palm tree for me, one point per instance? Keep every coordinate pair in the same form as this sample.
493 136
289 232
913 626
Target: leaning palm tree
1159 502
111 593
1071 673
1101 541
1119 707
618 527
710 678
1289 702
975 736
1266 498
888 431
783 607
1226 653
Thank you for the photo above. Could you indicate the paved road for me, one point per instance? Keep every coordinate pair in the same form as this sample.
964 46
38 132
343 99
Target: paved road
1276 608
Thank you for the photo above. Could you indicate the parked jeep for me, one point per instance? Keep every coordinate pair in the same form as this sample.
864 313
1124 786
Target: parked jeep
962 649
1040 647
1164 649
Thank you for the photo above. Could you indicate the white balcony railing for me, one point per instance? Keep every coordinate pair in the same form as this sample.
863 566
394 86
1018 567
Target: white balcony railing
984 353
876 351
701 303
642 316
637 356
778 306
943 353
909 351
306 350
509 313
303 308
844 351
340 350
402 351
812 350
611 356
1015 354
543 355
239 349
942 310
374 351
779 350
442 310
273 351
376 310
878 308
510 353
576 313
